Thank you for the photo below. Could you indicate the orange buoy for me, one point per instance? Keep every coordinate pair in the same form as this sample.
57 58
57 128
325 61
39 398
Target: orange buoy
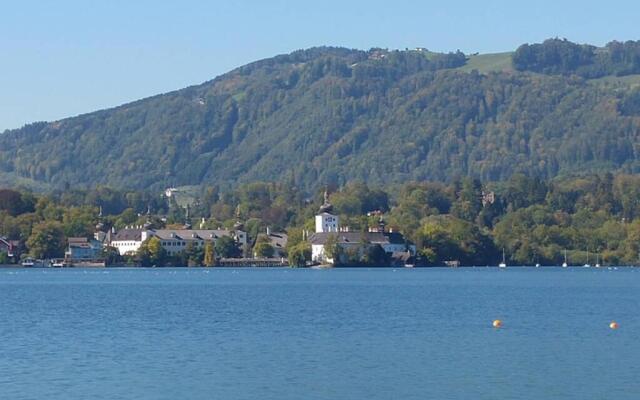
613 325
497 323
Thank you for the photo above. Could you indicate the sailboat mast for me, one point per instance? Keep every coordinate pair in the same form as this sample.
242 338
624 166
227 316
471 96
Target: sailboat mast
504 260
587 256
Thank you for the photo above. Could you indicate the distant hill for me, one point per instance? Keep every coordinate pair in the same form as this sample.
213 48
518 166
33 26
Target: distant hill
332 115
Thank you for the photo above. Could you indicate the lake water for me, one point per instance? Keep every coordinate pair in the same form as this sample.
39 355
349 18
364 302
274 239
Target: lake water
319 334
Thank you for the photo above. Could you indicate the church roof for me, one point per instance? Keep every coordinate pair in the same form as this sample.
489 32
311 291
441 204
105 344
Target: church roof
128 235
348 237
320 238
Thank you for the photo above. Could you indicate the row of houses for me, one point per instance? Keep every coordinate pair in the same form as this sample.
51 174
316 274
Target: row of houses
327 231
173 241
128 241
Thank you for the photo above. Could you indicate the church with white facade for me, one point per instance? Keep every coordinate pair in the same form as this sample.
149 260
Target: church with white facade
328 229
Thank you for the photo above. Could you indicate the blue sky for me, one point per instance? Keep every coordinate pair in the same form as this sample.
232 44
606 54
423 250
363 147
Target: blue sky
63 58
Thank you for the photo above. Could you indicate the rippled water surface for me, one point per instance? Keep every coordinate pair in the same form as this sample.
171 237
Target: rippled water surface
319 334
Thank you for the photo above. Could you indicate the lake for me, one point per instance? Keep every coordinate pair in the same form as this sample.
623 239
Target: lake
319 334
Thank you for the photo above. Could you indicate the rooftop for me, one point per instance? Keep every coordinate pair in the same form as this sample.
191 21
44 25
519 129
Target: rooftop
276 239
190 234
320 238
166 234
128 235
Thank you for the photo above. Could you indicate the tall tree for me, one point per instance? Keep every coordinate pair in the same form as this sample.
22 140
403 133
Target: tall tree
209 254
226 247
47 240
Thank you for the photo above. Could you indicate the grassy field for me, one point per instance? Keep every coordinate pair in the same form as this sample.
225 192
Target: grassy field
501 62
485 63
618 81
186 195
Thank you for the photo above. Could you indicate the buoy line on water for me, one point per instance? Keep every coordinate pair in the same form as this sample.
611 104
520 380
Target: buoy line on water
498 324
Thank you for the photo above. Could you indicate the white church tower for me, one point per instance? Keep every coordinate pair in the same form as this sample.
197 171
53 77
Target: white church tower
325 220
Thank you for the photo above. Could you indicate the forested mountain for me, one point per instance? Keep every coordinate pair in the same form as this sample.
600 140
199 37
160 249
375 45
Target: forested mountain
333 115
556 56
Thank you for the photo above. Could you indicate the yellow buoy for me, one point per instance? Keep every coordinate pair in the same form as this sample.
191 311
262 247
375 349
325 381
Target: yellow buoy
497 323
613 325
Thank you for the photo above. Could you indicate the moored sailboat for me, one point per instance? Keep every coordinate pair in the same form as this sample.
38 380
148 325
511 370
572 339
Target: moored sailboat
587 265
503 264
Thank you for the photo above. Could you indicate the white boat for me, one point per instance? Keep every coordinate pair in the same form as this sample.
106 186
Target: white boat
503 264
33 263
28 262
564 264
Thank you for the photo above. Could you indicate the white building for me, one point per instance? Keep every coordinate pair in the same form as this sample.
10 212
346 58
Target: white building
393 243
175 241
328 228
128 241
169 192
327 222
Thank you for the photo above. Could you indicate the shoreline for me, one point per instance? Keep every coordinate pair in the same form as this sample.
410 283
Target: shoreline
607 267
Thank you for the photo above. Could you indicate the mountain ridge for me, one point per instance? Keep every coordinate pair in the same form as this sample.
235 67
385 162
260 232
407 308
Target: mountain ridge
333 115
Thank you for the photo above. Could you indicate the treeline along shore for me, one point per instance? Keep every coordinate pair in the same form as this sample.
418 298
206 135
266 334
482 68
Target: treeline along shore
465 222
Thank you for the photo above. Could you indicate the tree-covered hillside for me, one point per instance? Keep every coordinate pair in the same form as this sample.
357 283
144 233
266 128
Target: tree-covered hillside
333 115
555 56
